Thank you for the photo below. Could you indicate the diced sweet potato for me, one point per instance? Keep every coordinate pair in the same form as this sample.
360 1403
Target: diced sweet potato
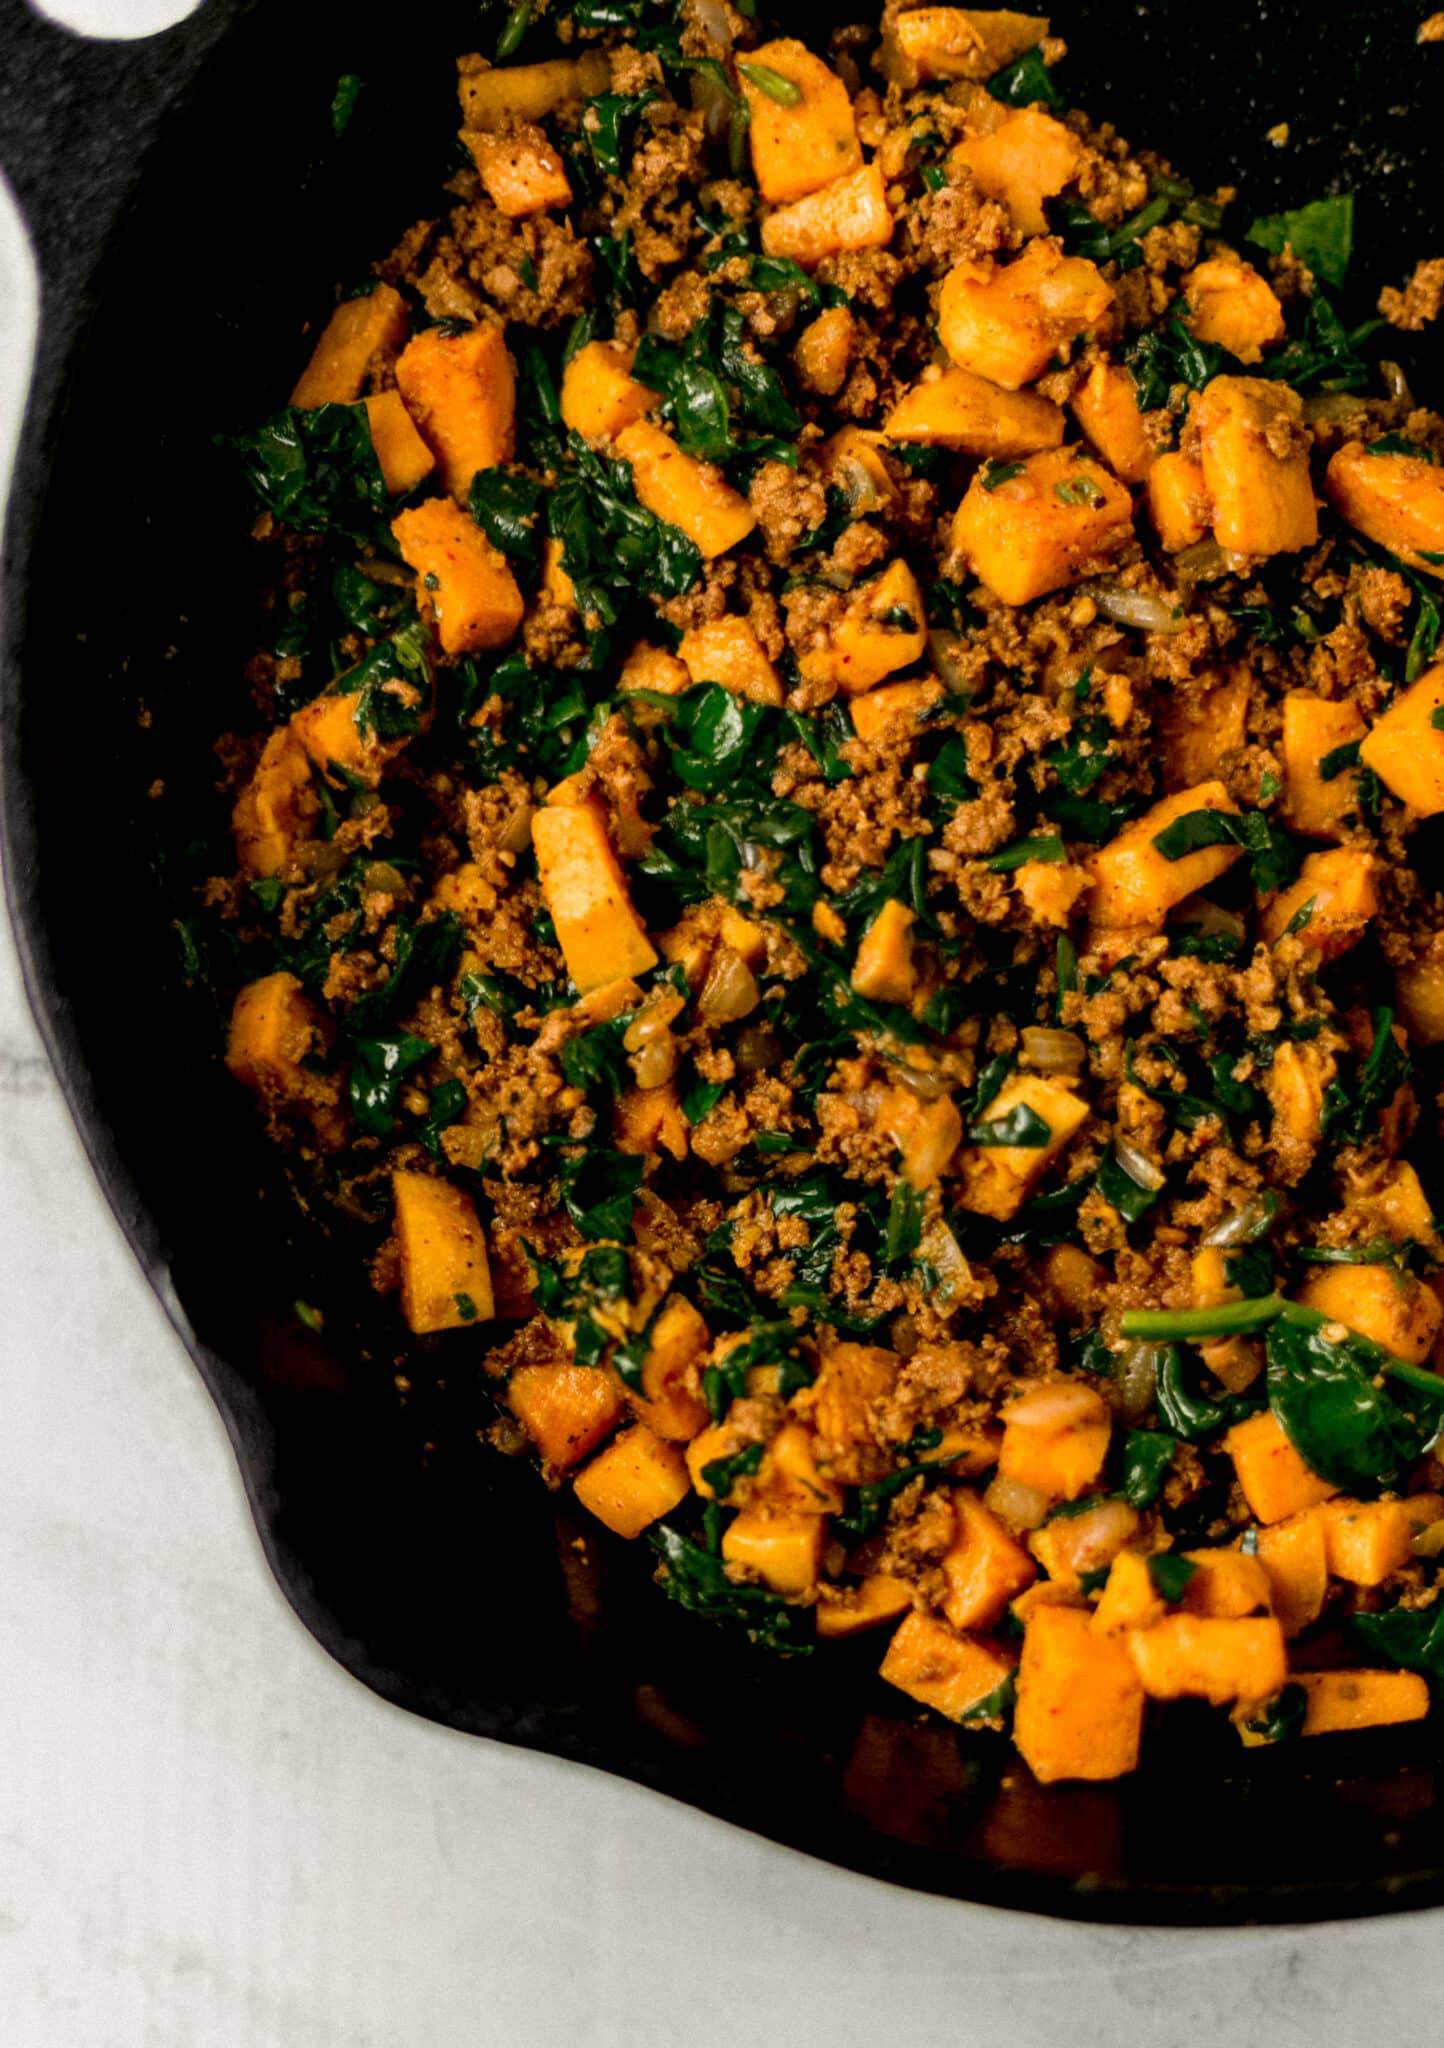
983 1567
597 929
883 970
1186 1656
728 651
1231 1359
1178 502
1275 1480
958 409
790 1480
1130 1599
941 1669
850 213
1334 896
462 581
823 354
783 1551
274 1027
460 389
883 629
901 704
599 395
1028 159
995 1180
445 1279
403 456
1403 1206
1292 1552
1396 500
653 668
1105 406
565 1409
519 169
1387 1306
669 1401
1007 321
1295 1083
688 494
275 808
1230 304
852 1381
1136 885
1050 889
327 729
1226 1585
850 1610
1405 748
1340 1701
808 142
1419 992
357 332
1315 727
1043 528
1255 453
1365 1541
526 92
650 1120
1080 1704
955 42
1200 730
1055 1438
636 1480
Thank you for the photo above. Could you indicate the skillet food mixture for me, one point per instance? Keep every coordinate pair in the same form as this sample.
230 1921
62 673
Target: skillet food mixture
833 868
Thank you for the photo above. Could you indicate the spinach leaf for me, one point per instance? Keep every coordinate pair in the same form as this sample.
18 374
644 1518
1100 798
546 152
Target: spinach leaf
1281 1718
1043 846
424 957
1025 83
1355 1415
1190 1415
1273 855
1170 1574
1320 234
1323 354
698 1581
722 1474
343 101
1352 1109
314 467
904 1226
765 1344
594 1060
378 1068
602 1275
1143 1465
1411 1637
507 508
1021 1126
1162 357
598 1188
604 122
447 1105
699 1098
1130 1197
718 739
609 540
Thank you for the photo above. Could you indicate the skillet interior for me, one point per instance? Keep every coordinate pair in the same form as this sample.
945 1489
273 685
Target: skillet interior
447 1581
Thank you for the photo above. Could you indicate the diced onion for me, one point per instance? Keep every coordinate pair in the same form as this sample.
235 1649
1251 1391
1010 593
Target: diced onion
1093 1539
945 1255
1137 1379
515 835
711 99
757 1048
943 653
1242 1226
1202 562
653 1019
730 990
1396 383
1055 1405
1331 405
1053 1051
1138 1166
1136 608
656 1062
1017 1506
711 17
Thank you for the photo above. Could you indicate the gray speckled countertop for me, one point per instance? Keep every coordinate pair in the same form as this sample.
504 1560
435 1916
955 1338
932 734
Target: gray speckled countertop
211 1836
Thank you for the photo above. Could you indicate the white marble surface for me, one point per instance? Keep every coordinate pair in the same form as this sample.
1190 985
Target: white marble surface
211 1836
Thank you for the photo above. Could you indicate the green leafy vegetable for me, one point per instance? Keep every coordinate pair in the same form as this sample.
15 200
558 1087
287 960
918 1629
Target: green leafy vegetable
1320 234
1355 1415
599 1188
343 101
314 467
1143 1465
378 1068
1273 855
1025 83
508 508
1021 1125
1170 1575
783 90
698 1581
1281 1718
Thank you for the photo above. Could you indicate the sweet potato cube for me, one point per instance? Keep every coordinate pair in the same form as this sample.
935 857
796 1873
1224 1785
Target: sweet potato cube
669 1401
1007 321
653 668
1231 304
1275 1481
462 581
1055 1438
850 213
1255 453
1226 1585
1388 1307
490 97
955 42
1419 993
565 1409
983 1567
1295 1083
1396 500
883 970
727 651
823 354
1200 730
941 1669
599 395
274 1027
958 409
327 729
520 171
1340 1701
636 1480
1405 748
790 1481
403 456
1294 1556
1335 897
1129 1599
1366 1540
1134 884
1080 1704
1030 157
1105 406
900 704
357 332
883 629
273 811
810 142
1405 1208
1178 502
648 1120
850 1610
460 389
599 932
1315 727
995 1180
784 1551
852 1381
445 1279
1044 527
688 494
1186 1656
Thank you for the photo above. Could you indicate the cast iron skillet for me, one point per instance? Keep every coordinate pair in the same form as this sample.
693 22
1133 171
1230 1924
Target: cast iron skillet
190 211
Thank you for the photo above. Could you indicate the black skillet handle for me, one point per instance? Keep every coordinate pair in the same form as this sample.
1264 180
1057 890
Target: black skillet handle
77 116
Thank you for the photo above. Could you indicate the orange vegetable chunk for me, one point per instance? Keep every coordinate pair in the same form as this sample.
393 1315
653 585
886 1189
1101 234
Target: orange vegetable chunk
688 494
1178 502
273 810
1232 305
1315 727
941 1669
520 170
1080 1703
404 458
357 332
1275 1480
1007 321
1187 1656
636 1480
462 581
1405 748
1337 891
958 409
848 1611
727 651
1340 1701
1294 1556
599 932
599 394
1055 1438
1043 528
850 213
445 1278
983 1567
460 389
994 1180
1365 1541
784 1551
1028 158
565 1409
1255 454
1396 500
1105 406
799 147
